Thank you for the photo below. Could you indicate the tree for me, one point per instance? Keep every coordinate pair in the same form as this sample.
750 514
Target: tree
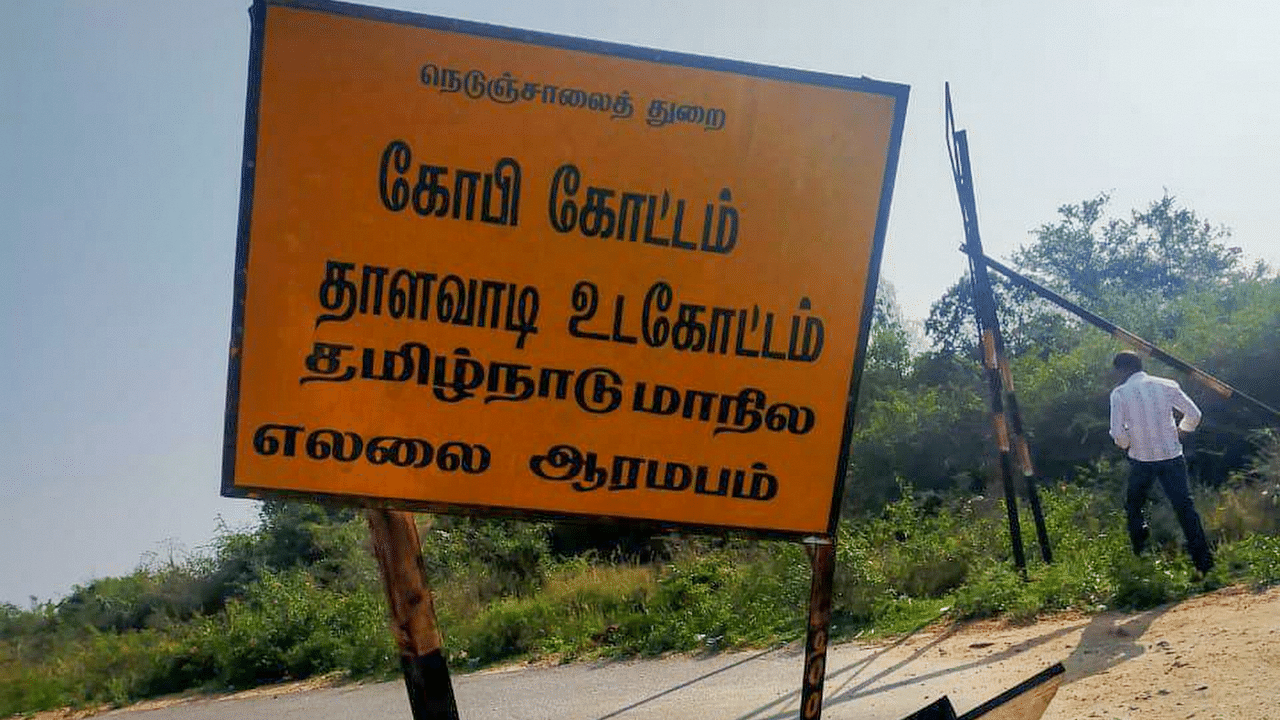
888 358
1163 272
918 417
1127 269
1164 250
1028 323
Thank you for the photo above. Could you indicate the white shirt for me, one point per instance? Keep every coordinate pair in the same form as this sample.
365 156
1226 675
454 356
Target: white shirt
1142 417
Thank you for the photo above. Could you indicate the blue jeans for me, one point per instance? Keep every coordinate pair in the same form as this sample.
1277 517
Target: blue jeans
1172 474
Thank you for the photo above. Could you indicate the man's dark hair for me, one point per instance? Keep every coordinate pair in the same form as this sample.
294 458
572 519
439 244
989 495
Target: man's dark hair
1127 361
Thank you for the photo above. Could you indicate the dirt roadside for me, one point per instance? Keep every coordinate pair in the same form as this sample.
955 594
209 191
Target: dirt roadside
1213 656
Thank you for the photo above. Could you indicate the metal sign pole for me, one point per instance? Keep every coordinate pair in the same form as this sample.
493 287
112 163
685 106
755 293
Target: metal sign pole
413 615
988 327
1143 346
822 558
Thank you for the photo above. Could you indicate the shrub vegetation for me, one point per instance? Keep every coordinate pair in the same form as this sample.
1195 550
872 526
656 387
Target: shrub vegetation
922 538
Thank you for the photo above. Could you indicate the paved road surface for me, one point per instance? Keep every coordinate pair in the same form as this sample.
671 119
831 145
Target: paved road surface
1214 656
872 683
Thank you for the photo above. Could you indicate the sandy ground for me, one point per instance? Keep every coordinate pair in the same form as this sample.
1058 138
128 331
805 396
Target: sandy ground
1214 656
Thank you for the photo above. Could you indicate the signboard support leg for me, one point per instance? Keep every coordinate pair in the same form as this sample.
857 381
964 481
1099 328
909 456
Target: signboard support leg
413 615
991 343
822 558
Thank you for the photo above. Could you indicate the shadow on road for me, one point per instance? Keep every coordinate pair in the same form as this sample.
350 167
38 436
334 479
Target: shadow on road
1109 640
847 691
869 687
683 685
855 668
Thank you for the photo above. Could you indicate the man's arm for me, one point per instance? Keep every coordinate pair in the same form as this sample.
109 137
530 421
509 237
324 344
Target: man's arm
1190 413
1119 422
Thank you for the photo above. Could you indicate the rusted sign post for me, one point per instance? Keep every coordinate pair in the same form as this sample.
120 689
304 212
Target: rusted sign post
822 558
495 272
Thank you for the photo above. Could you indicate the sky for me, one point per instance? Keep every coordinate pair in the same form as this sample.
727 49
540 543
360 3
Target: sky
121 127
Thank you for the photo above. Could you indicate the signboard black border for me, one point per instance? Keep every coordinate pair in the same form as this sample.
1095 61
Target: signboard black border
258 12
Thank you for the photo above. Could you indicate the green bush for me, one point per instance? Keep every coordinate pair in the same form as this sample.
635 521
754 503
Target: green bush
1147 581
502 594
288 626
997 588
1255 559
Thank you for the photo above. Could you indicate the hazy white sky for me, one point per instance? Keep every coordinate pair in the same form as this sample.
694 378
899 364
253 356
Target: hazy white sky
120 144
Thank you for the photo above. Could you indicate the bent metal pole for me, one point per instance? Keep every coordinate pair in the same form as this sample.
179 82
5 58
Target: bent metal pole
1005 413
1143 346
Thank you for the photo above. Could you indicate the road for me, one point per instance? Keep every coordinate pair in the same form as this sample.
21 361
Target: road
1214 656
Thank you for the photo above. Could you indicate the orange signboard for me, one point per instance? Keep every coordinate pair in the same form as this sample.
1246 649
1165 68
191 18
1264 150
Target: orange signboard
492 271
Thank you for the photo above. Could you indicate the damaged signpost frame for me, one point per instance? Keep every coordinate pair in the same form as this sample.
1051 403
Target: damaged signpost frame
488 271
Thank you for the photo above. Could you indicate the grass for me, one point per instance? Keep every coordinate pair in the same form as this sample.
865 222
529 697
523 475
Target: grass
914 564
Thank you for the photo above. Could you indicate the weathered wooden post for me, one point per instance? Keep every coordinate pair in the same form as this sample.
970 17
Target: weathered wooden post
413 614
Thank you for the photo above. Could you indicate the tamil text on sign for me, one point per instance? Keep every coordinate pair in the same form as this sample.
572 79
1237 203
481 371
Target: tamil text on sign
493 271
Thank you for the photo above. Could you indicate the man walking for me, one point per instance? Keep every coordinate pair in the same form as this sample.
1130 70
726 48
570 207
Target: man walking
1142 422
